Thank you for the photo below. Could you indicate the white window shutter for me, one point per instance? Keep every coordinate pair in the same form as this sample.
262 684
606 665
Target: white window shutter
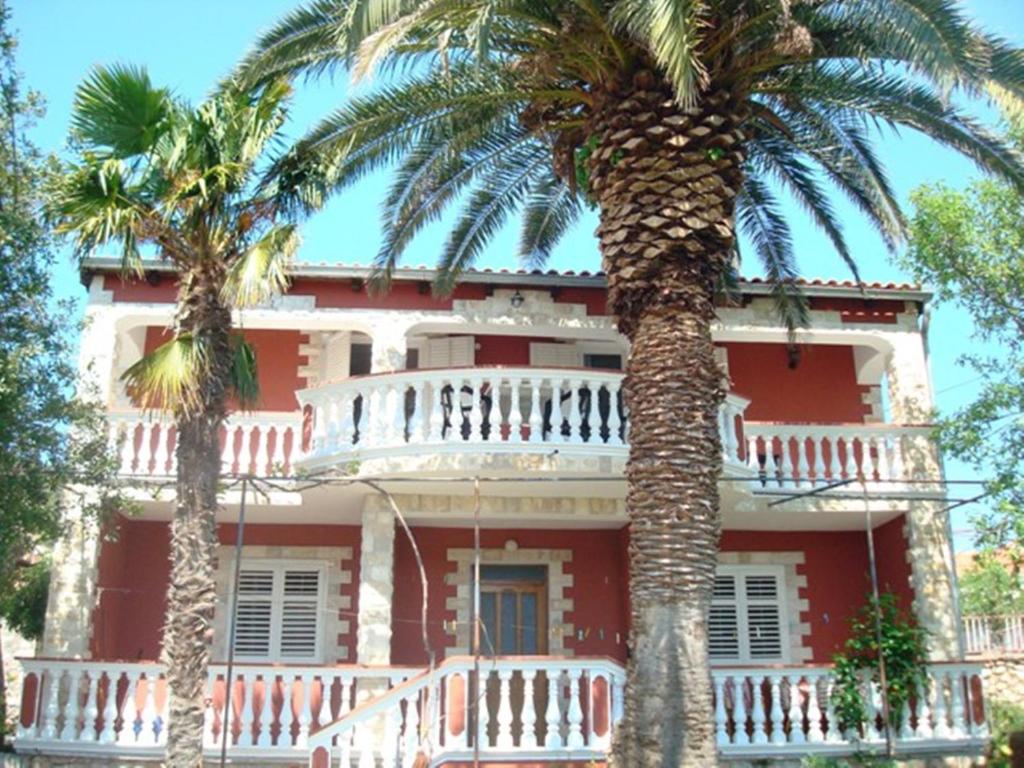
547 355
449 352
723 621
336 356
279 612
254 614
299 609
764 620
747 614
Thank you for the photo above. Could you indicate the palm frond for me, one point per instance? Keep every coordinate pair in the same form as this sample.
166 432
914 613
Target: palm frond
261 271
170 377
551 209
245 384
118 111
760 218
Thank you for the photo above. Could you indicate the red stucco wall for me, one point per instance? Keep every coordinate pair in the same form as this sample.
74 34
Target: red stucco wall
134 570
891 560
822 388
597 588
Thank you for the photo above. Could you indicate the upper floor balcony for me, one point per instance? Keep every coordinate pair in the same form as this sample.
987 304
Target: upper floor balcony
513 421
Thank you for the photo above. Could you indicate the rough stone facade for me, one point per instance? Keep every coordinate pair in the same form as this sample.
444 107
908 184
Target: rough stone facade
376 583
1004 680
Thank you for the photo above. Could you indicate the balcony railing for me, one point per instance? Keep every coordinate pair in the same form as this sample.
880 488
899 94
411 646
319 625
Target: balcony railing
532 709
83 707
262 443
787 455
994 635
481 409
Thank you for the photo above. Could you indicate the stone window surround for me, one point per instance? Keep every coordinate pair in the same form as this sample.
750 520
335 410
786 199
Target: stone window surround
558 586
339 574
795 606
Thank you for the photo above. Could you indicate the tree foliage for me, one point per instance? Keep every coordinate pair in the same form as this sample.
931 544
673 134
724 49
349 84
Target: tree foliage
968 244
53 442
991 587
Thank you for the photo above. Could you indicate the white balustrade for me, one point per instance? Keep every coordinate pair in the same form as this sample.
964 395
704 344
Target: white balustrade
260 443
788 455
994 635
494 408
85 707
530 708
792 711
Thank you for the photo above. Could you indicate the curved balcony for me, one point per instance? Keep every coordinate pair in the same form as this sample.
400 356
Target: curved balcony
510 419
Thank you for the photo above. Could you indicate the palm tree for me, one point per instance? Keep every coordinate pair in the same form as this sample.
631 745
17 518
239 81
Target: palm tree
679 120
157 176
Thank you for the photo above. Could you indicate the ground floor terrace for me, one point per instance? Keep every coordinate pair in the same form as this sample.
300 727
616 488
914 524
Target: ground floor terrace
332 653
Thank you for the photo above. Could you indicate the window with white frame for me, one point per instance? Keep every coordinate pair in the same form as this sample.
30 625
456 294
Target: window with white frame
280 610
748 617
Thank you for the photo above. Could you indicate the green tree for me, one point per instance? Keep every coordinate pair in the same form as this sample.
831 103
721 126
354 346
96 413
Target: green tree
155 173
678 121
53 441
991 587
969 245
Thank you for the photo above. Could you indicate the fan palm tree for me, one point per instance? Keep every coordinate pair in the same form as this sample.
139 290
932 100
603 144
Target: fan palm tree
157 176
680 120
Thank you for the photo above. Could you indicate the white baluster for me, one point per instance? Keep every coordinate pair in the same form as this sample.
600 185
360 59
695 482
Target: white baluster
575 712
575 418
873 702
127 433
69 728
164 713
815 734
246 733
757 710
209 716
392 731
412 730
796 713
939 710
504 718
536 416
833 732
305 709
923 729
374 418
803 471
109 733
721 717
732 443
325 427
618 703
832 466
364 740
458 740
785 461
906 729
483 716
345 425
614 420
129 714
476 416
146 449
956 685
148 729
436 412
849 459
161 430
394 415
264 733
722 429
775 697
346 695
739 709
227 454
90 731
882 457
552 714
515 411
528 740
417 424
287 713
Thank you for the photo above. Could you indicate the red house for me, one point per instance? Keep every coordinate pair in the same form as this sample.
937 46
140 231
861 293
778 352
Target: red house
514 380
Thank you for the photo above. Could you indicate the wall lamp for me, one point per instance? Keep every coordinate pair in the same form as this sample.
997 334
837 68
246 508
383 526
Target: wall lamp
517 300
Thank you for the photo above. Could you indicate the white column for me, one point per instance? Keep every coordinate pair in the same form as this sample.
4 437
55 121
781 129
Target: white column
376 582
927 525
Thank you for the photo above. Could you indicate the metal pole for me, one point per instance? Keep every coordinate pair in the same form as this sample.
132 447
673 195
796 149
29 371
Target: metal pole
225 726
481 694
890 747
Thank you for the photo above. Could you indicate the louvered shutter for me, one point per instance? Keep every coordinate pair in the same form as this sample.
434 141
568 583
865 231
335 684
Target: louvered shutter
723 623
299 609
547 355
254 617
449 352
764 622
279 613
745 622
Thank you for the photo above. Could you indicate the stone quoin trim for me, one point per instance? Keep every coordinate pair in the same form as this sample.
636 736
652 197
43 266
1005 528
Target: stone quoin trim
793 582
559 585
334 629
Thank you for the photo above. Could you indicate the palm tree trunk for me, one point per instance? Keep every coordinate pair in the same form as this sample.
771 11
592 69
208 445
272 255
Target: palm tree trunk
191 597
665 181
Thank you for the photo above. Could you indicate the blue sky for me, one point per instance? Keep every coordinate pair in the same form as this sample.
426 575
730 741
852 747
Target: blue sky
188 44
